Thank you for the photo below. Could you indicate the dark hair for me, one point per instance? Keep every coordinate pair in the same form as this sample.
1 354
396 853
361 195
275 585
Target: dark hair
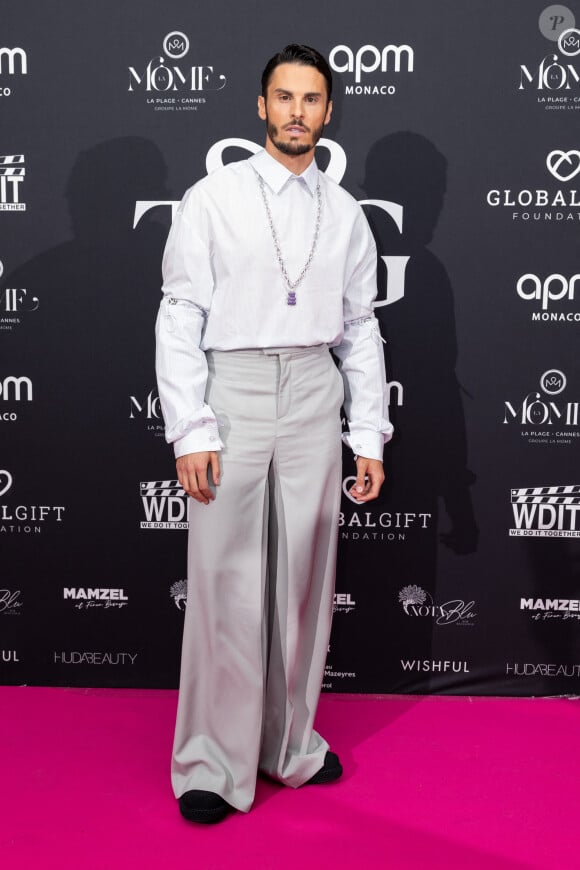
301 54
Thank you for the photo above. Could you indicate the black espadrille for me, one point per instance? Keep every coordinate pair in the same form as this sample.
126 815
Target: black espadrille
331 770
203 806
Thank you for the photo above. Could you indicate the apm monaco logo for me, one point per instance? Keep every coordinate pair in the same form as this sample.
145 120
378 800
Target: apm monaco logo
370 69
551 608
555 77
546 512
148 411
12 174
417 603
13 389
165 504
343 602
543 204
172 86
543 292
10 603
13 303
13 62
178 592
87 598
395 264
554 422
371 525
24 519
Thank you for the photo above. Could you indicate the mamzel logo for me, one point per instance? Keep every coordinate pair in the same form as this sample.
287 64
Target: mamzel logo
546 512
552 608
371 59
174 80
92 597
12 173
165 504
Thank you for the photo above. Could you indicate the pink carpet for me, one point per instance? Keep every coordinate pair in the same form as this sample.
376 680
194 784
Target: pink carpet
430 782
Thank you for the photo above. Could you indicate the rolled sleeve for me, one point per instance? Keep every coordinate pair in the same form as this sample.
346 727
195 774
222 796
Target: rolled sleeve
181 366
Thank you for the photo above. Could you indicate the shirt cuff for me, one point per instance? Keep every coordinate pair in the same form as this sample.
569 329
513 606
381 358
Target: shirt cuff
367 444
197 441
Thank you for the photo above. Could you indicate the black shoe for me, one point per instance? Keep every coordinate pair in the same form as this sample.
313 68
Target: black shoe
331 770
203 806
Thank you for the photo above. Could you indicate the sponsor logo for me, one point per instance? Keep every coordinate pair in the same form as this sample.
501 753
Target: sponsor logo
331 674
9 656
552 288
148 410
343 602
86 598
553 422
178 592
395 265
75 657
551 608
372 525
554 77
13 389
10 602
12 174
370 70
24 519
13 62
170 86
545 512
165 505
14 302
438 666
530 669
543 204
416 602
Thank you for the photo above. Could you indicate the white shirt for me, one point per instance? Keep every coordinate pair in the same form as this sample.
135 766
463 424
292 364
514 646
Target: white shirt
223 290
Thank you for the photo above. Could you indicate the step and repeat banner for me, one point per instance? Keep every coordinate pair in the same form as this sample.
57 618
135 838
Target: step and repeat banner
457 126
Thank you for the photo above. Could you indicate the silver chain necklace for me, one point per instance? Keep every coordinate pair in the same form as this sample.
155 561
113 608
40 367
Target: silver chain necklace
292 285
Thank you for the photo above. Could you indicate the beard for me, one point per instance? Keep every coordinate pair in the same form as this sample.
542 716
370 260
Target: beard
293 148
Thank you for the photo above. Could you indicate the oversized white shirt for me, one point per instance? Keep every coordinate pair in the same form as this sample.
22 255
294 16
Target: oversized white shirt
223 290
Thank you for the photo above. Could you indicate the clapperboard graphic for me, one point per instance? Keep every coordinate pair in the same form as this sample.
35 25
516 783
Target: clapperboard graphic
165 504
12 173
546 512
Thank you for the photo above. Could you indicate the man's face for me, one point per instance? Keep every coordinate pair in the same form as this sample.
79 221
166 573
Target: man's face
296 108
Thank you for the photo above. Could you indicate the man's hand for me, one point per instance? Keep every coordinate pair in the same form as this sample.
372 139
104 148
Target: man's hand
369 479
192 473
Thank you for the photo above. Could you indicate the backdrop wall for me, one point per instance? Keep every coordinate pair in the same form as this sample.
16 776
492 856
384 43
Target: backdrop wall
457 125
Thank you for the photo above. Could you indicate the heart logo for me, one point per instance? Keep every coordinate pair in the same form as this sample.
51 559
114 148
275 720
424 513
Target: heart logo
336 168
347 483
5 482
555 159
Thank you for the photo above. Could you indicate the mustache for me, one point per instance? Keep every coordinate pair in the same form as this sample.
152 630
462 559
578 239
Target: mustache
297 124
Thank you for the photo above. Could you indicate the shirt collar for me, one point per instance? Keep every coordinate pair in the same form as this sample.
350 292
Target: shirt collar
276 175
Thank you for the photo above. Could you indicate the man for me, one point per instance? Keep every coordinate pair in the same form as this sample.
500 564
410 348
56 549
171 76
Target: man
268 264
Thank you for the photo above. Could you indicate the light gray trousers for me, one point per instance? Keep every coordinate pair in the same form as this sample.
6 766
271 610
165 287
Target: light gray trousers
261 567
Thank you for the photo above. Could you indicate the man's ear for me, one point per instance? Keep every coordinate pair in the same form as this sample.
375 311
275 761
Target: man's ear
261 108
328 113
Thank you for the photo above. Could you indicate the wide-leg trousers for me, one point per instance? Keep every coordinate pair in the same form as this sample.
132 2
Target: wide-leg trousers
261 570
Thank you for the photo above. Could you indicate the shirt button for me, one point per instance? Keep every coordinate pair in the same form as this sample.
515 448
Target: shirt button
358 446
212 437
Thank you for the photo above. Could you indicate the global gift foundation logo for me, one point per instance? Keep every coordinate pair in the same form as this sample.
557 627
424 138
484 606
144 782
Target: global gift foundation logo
24 518
557 204
546 512
172 82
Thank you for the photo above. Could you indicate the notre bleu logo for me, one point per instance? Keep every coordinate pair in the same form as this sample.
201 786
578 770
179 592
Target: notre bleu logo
172 83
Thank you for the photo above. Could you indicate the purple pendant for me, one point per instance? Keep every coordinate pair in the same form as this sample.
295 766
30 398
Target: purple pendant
291 299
